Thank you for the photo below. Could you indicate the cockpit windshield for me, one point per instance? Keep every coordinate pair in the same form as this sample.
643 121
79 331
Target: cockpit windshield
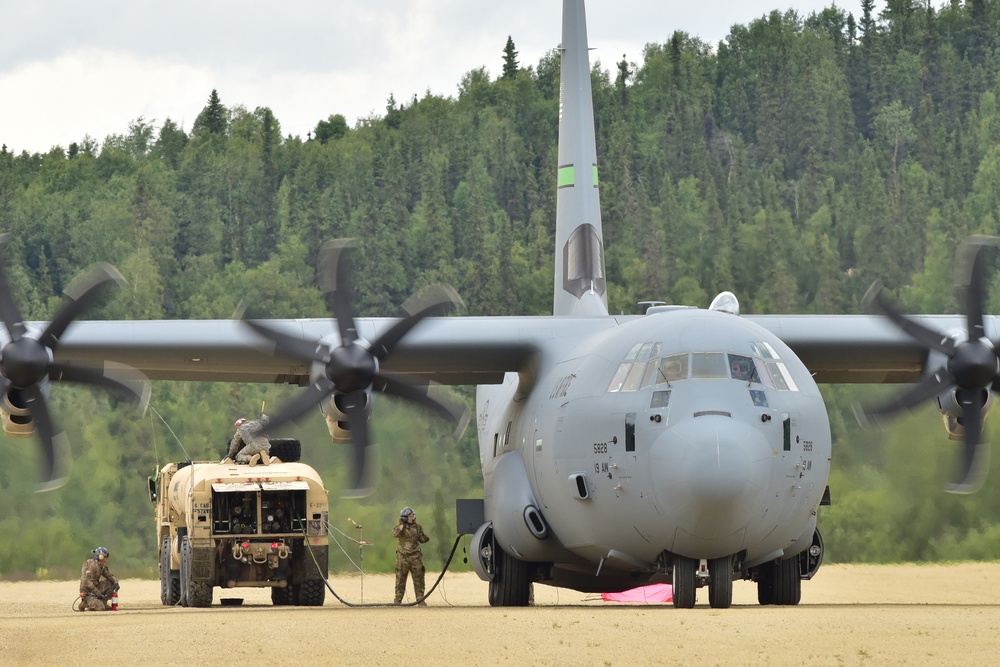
643 367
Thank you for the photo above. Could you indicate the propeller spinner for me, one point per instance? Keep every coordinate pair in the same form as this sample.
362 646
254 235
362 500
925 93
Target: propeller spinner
27 364
350 370
971 372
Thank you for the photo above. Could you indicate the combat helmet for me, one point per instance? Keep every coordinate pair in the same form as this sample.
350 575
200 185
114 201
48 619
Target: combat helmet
405 512
100 553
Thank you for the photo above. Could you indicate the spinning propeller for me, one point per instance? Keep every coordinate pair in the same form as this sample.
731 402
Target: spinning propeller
27 365
972 369
346 372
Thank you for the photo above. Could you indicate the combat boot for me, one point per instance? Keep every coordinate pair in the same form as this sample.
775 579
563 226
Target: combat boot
254 459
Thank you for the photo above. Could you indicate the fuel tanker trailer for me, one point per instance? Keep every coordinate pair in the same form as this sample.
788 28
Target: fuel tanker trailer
232 525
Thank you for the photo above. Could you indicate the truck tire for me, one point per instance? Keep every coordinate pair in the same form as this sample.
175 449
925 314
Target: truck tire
311 593
288 450
170 580
313 564
281 597
194 593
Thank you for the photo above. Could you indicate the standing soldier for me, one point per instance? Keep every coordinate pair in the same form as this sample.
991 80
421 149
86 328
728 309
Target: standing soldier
409 559
97 583
256 445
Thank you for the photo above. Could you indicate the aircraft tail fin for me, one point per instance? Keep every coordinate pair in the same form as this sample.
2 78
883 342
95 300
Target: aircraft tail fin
580 282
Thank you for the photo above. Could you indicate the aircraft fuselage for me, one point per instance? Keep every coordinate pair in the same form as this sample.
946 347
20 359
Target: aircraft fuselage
687 432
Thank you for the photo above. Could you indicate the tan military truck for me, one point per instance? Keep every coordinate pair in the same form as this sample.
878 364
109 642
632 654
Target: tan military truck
232 526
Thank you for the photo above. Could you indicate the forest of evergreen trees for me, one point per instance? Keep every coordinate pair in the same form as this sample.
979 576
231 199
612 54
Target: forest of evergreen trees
792 163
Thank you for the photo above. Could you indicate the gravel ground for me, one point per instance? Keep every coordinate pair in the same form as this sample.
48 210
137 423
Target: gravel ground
850 615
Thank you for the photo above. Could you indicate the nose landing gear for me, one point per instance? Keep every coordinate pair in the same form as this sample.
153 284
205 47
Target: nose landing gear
690 574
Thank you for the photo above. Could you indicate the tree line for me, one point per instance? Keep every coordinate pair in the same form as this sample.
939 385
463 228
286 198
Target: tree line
793 163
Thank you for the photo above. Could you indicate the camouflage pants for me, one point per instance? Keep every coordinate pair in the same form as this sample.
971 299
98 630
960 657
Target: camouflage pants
91 603
256 446
409 564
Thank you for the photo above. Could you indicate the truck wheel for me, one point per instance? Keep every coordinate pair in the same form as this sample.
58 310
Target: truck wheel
311 593
170 580
195 593
282 596
288 450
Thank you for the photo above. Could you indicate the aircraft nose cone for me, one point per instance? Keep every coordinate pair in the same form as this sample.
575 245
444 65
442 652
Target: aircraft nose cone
711 474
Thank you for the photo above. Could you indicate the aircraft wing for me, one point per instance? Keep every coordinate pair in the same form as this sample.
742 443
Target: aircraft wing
861 348
446 350
475 350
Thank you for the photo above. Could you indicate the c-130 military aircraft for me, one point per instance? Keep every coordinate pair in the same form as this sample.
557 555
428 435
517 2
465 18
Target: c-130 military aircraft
684 445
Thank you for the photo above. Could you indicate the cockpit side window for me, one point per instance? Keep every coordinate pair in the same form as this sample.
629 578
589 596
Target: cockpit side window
648 374
771 370
780 376
762 373
637 369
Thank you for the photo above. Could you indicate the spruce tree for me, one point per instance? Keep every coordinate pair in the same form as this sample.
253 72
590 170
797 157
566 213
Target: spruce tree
510 65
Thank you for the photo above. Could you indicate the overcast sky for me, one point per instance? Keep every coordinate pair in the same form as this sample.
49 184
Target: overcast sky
70 69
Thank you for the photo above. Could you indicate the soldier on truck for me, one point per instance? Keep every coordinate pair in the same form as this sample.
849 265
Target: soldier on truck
256 446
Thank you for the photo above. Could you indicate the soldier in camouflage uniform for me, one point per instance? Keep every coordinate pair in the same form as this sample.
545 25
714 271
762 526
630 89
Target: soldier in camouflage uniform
409 559
97 583
256 445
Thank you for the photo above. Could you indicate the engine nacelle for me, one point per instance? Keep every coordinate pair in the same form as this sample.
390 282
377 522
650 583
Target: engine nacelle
336 418
951 410
17 422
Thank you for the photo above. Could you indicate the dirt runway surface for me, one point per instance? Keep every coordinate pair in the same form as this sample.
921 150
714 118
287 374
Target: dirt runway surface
850 615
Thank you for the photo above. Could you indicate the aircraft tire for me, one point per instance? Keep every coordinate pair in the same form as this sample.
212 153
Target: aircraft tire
779 583
683 580
170 581
720 586
511 586
787 584
765 584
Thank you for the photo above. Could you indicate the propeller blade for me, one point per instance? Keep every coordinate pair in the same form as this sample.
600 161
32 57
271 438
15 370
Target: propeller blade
9 312
433 300
116 377
449 410
353 405
975 453
81 293
927 389
930 338
304 402
290 345
54 445
335 280
969 273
